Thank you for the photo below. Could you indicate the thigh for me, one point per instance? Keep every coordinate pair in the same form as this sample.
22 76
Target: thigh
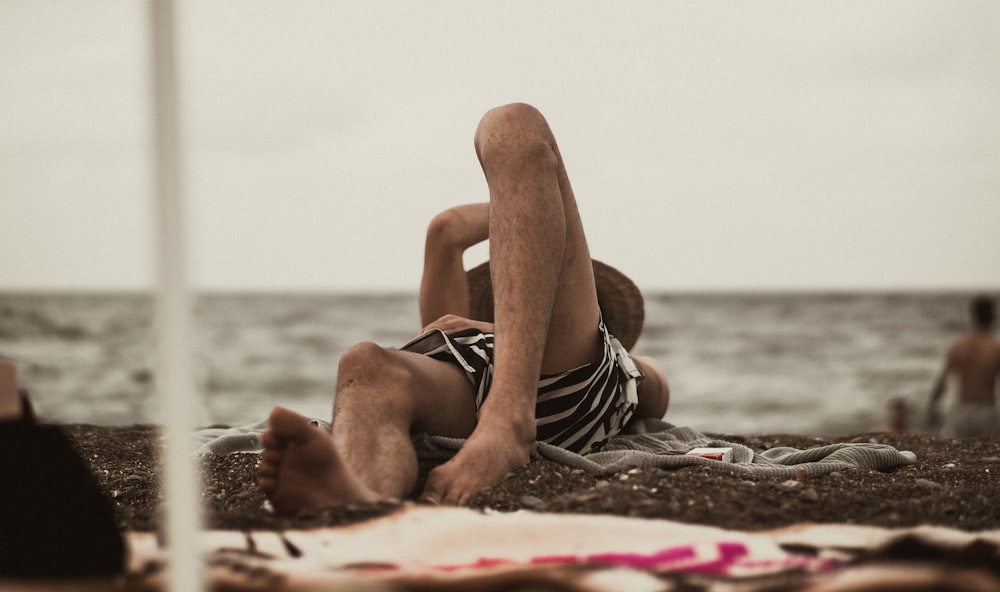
515 145
573 337
441 394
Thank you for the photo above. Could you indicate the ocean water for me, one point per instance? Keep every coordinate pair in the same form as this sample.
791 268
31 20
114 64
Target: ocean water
822 364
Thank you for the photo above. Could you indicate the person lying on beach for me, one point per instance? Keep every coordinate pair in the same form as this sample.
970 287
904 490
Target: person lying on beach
975 361
54 519
471 378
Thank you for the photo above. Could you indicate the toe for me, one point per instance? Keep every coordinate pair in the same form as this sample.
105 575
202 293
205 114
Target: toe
267 484
267 470
270 457
288 426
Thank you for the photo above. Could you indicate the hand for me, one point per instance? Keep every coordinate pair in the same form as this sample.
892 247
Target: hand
452 323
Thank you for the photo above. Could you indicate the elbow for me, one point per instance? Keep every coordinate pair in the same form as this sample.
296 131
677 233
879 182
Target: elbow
654 390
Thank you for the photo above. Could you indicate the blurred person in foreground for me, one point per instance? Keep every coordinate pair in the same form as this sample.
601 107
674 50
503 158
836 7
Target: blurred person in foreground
55 521
545 367
974 360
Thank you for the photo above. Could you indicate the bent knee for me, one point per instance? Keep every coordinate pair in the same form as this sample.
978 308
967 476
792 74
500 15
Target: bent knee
513 113
375 373
512 131
368 363
361 359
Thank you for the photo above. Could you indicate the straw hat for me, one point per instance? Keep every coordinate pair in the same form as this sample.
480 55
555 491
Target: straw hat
620 300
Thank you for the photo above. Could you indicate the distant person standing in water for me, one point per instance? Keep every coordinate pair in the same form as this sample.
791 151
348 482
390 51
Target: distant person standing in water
975 360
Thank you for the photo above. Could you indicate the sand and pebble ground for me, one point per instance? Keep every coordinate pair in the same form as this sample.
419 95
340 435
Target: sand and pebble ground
953 483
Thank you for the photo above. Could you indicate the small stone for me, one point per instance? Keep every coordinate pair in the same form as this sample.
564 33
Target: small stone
790 485
810 494
530 501
601 484
623 477
836 474
928 484
948 466
635 471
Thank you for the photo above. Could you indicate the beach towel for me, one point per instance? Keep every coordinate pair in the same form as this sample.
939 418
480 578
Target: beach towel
648 443
446 548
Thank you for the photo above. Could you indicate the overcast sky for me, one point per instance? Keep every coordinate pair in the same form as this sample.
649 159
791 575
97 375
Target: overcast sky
751 145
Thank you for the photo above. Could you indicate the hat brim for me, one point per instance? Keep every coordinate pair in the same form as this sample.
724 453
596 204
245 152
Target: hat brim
621 302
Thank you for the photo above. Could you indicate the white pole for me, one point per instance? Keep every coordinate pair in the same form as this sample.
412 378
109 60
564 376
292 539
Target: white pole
174 381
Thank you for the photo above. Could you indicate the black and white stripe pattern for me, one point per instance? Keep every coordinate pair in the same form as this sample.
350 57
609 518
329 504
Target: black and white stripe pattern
471 349
577 410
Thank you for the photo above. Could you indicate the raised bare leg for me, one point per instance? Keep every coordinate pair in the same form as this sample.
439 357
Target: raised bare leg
443 287
383 397
545 302
543 278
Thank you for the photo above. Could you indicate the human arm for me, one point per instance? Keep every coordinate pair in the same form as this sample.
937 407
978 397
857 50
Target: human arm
443 286
653 390
938 389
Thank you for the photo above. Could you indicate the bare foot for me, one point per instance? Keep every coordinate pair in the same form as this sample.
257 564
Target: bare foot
485 458
300 468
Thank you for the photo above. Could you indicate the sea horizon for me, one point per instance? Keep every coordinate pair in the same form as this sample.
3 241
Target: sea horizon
809 362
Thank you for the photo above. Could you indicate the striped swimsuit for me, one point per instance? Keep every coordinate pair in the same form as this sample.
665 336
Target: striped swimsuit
579 409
